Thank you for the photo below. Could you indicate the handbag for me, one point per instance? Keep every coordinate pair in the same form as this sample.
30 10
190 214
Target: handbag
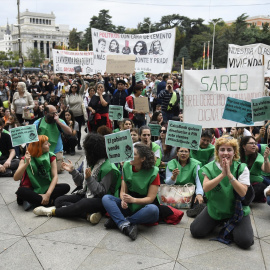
177 196
28 114
85 115
250 195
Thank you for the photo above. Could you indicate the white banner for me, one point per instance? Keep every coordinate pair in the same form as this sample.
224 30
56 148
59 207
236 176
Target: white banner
206 92
70 62
249 56
154 51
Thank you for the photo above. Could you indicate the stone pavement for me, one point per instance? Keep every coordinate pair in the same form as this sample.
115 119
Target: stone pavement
31 242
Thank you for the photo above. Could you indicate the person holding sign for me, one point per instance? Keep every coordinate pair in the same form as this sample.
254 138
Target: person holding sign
225 181
100 177
38 174
137 203
99 107
138 117
183 170
205 154
257 164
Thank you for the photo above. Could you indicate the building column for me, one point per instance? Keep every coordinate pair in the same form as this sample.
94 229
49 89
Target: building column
38 45
45 48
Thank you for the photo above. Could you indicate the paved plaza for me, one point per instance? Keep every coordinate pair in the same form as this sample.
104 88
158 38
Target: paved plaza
31 242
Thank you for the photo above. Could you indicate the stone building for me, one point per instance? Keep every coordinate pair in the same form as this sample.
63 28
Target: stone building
38 30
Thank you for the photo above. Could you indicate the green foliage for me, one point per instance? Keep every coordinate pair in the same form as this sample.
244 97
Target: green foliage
28 63
74 38
35 56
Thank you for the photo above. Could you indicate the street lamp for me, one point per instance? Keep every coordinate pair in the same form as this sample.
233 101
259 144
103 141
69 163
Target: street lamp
213 46
149 24
19 38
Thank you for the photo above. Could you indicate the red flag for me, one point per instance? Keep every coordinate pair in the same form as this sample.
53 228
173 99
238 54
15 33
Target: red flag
203 50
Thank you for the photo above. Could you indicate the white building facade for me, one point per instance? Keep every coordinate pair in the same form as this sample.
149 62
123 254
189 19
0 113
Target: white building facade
38 30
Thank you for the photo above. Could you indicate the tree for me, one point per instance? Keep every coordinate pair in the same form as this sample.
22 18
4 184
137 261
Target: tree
36 56
74 38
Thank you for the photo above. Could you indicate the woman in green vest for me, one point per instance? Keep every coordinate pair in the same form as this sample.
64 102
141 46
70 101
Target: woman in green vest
38 174
139 188
225 182
257 165
184 170
100 177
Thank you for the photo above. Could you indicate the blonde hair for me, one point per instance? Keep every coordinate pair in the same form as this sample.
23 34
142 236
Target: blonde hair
228 140
23 85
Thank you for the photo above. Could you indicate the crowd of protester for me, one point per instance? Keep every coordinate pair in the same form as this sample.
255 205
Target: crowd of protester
229 159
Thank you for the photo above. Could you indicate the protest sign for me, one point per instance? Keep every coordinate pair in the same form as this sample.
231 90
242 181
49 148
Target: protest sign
141 104
155 129
154 51
70 62
24 134
120 63
260 109
238 110
119 146
139 76
249 56
116 112
208 90
183 134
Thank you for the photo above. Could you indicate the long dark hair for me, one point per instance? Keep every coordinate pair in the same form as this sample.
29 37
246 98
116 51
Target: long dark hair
155 115
250 158
145 151
94 148
77 89
72 118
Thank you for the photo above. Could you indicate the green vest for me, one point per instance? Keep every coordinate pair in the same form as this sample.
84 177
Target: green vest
203 155
116 130
263 147
5 131
51 131
172 101
187 174
41 179
138 183
155 147
221 199
105 168
256 170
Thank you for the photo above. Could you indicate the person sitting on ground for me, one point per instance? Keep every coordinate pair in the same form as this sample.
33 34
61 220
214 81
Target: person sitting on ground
205 153
8 161
134 132
51 126
145 138
225 181
38 174
100 178
137 203
257 164
70 141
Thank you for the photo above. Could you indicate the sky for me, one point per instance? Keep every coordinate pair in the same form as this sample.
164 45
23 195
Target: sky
128 13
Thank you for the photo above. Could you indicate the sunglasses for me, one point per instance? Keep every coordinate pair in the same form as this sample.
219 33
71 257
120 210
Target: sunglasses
163 131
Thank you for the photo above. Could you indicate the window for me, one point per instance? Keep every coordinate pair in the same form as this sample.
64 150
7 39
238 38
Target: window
43 21
49 22
30 20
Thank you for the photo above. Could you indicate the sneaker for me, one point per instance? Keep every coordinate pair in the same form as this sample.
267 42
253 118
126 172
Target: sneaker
267 191
131 231
95 218
27 205
110 224
43 211
196 210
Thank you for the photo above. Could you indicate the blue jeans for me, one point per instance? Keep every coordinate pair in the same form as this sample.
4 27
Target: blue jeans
147 214
266 180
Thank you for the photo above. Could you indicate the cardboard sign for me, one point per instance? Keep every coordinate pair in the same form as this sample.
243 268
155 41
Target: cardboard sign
139 76
183 134
155 129
116 112
120 63
260 109
119 146
141 104
238 110
24 134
